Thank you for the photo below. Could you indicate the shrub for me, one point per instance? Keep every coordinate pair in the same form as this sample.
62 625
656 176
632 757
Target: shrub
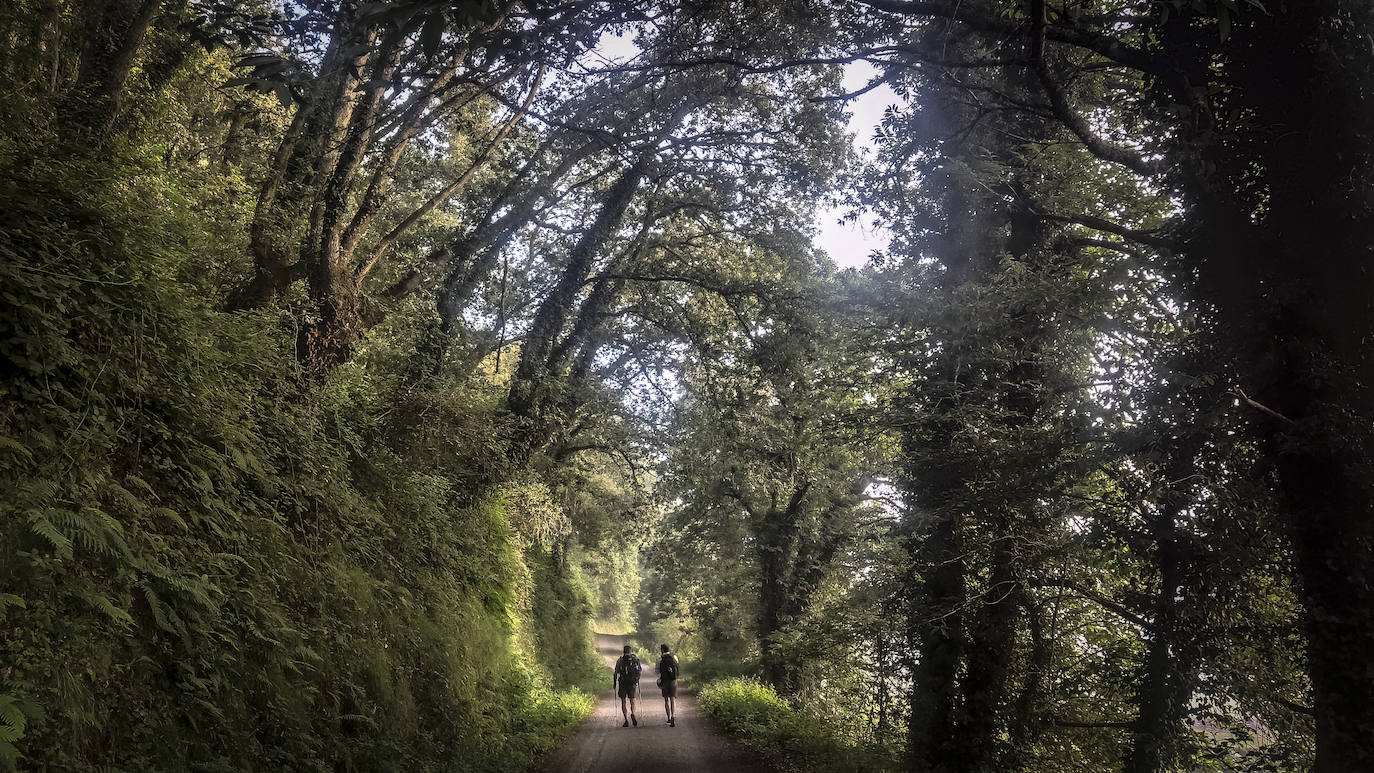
796 739
205 565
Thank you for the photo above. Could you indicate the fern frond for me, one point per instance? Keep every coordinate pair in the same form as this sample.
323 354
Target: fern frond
158 608
141 483
40 525
108 608
172 516
108 530
14 445
130 500
11 716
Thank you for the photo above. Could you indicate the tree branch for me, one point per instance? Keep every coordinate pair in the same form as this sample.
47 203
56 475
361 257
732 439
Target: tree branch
1059 101
1147 238
1058 722
962 12
1103 600
439 198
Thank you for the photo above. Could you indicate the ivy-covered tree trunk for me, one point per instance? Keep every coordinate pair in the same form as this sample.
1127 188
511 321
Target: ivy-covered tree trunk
1169 672
778 545
553 313
770 547
989 663
1296 295
936 630
112 38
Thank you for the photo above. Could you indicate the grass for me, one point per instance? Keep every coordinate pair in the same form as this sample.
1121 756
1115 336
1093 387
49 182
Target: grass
793 738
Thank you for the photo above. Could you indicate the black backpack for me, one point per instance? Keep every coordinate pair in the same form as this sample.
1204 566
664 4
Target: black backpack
629 669
667 667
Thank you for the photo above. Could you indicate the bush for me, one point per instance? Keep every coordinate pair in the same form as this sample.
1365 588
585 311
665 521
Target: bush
206 565
757 714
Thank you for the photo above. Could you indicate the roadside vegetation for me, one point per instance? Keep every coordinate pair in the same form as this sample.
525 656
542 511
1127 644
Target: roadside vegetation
209 568
795 739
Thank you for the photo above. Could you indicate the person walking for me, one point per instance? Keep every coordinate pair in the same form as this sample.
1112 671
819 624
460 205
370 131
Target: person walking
667 682
625 682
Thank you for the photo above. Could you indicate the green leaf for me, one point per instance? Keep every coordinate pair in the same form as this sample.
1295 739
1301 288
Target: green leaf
108 608
14 445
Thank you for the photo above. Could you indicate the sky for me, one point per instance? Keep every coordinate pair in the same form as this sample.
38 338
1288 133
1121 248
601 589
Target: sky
849 244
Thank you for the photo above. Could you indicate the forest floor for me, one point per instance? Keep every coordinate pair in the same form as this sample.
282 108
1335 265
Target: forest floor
696 745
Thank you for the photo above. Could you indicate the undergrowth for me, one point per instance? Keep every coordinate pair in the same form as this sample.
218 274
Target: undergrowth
206 565
795 739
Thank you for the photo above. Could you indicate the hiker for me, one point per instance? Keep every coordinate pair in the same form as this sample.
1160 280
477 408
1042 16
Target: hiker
625 682
667 682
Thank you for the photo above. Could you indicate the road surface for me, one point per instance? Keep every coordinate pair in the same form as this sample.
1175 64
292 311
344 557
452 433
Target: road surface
696 745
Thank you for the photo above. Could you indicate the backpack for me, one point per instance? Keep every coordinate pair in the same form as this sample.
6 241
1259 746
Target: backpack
629 669
667 667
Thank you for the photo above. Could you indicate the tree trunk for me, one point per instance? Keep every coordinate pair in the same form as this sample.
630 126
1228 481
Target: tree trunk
527 390
1025 721
991 640
1297 298
113 39
232 151
769 550
936 629
1170 669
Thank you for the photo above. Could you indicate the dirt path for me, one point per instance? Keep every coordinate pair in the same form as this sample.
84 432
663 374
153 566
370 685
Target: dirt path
696 745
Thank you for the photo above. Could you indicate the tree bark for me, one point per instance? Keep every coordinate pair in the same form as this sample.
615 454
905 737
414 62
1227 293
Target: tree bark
526 399
113 39
1296 295
1169 672
991 640
936 628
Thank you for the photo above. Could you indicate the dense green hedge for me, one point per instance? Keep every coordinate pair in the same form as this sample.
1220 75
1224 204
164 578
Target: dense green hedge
206 565
761 717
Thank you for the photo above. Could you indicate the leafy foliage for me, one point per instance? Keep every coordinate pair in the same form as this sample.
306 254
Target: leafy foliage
755 711
253 579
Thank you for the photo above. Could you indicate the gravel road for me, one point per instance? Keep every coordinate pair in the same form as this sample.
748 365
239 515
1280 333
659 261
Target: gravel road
695 745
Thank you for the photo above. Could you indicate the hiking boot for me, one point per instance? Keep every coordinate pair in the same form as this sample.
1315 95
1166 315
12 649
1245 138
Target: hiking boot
632 719
625 724
672 721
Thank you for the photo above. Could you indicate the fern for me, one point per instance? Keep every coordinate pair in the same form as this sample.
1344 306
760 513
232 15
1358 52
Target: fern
172 516
108 608
15 715
91 529
10 600
14 445
163 616
106 530
40 525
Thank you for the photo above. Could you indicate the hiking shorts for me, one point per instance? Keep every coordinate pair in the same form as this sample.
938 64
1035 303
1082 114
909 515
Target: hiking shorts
627 690
669 688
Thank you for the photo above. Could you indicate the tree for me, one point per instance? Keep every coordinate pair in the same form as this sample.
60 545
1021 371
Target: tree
771 433
1196 96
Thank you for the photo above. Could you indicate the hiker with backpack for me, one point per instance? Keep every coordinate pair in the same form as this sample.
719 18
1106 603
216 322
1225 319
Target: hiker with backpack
625 682
667 682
